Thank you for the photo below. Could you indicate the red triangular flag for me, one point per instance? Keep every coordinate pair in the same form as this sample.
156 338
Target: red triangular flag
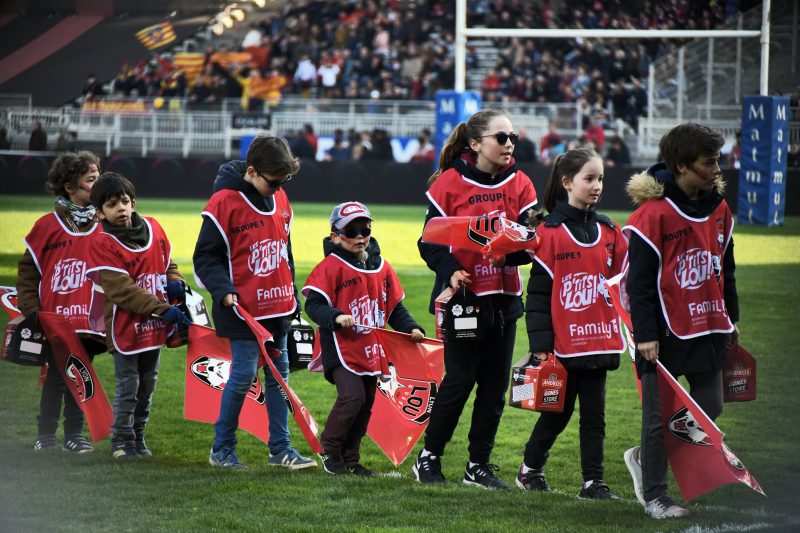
308 426
78 374
700 460
489 234
10 302
208 364
404 402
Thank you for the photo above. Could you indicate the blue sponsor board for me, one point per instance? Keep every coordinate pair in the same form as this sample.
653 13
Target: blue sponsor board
452 108
765 147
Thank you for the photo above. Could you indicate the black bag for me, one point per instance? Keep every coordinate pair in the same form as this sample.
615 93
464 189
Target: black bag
25 343
300 344
465 316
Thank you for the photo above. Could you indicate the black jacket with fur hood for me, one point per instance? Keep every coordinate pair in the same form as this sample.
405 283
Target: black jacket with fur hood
700 354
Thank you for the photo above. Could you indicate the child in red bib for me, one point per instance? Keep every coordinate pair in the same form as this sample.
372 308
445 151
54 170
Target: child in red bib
569 313
52 278
352 291
682 292
133 267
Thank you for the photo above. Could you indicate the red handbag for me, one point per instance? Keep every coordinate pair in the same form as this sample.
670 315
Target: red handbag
539 385
739 375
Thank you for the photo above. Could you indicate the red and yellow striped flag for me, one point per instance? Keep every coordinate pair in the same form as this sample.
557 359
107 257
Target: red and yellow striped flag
190 63
156 35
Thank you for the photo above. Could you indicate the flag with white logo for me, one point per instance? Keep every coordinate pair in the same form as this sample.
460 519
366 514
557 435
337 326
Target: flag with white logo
208 365
78 373
490 234
10 301
404 400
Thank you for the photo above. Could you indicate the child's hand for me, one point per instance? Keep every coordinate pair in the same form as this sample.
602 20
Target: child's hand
230 300
173 315
459 277
417 335
345 321
497 261
649 350
176 290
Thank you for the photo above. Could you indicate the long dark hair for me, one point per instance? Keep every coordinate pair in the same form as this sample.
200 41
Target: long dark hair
565 166
459 138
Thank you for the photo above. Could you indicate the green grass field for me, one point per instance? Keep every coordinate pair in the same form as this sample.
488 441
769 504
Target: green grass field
177 490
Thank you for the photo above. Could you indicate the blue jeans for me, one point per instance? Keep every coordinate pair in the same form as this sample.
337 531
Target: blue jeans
136 377
244 368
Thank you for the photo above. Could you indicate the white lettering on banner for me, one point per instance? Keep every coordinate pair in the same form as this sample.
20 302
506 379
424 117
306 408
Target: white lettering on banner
780 112
373 352
447 105
366 311
756 112
470 106
152 283
594 329
579 290
68 276
709 306
755 135
276 293
71 310
777 177
149 325
265 257
694 267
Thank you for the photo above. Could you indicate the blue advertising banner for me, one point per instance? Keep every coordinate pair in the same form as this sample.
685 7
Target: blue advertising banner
765 148
452 108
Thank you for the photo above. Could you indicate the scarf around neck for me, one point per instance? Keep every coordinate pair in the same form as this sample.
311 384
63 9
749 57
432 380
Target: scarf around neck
79 214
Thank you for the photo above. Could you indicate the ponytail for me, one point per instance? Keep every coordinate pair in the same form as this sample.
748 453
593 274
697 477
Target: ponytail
566 165
456 143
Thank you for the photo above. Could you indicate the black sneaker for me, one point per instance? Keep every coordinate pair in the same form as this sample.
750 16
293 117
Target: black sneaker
125 451
482 475
333 464
141 446
598 490
428 469
46 441
533 480
77 443
360 470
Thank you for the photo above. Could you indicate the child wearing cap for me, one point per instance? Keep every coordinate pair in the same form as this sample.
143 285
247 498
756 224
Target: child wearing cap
349 293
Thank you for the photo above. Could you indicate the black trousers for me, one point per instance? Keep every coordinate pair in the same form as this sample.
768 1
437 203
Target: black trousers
705 388
590 387
55 390
349 417
486 363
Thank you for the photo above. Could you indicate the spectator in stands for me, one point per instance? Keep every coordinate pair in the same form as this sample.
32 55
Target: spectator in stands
735 155
252 37
328 74
426 153
311 137
340 151
92 88
595 133
549 141
525 149
381 146
618 154
305 76
5 143
794 156
72 142
362 146
300 146
276 82
38 140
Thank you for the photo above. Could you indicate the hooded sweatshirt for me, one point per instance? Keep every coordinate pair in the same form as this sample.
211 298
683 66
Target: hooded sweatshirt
324 315
212 266
680 356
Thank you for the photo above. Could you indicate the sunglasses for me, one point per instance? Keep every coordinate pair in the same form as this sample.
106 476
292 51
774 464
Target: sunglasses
502 138
353 232
274 184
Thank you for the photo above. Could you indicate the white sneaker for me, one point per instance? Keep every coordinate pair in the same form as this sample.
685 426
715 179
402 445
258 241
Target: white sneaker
665 507
635 468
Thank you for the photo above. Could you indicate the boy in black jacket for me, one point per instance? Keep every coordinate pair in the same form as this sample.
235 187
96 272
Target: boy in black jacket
681 259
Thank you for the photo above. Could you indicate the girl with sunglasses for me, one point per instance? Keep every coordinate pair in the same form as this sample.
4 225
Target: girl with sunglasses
476 176
569 313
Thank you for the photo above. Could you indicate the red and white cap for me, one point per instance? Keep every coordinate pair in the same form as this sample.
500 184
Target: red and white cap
345 213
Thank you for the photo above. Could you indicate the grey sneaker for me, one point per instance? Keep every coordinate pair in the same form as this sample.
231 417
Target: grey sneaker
225 458
45 441
77 443
292 460
631 457
665 507
532 480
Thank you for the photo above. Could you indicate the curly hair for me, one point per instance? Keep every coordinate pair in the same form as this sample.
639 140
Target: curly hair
67 168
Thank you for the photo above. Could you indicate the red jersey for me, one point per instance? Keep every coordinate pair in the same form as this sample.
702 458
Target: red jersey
584 319
133 333
454 194
61 256
369 296
258 251
690 251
